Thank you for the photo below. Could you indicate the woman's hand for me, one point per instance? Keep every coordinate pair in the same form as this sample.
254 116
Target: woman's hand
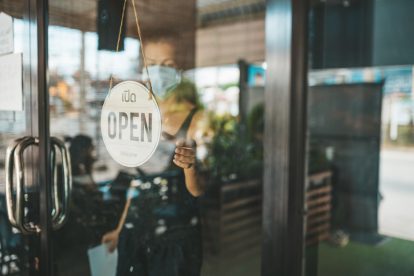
185 154
111 240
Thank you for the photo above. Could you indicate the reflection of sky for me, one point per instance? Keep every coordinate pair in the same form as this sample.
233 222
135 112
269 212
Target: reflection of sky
215 76
65 47
64 50
123 64
397 79
211 81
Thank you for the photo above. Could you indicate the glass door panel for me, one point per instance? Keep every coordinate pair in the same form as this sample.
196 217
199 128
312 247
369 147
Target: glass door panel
360 124
19 251
193 208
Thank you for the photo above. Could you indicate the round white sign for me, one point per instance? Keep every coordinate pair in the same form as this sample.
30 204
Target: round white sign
130 124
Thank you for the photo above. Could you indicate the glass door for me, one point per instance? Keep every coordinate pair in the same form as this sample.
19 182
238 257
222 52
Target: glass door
195 208
360 124
19 186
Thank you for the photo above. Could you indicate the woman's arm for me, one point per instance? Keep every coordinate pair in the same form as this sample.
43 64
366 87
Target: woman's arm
124 214
111 238
193 182
185 158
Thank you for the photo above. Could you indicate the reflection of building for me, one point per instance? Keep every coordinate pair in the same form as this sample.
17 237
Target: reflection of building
398 103
353 132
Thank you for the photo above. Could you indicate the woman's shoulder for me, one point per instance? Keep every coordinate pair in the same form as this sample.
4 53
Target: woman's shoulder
198 124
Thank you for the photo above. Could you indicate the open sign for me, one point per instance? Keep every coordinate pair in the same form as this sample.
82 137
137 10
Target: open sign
130 124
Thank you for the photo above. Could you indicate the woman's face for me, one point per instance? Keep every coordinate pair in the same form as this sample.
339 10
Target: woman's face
162 69
160 53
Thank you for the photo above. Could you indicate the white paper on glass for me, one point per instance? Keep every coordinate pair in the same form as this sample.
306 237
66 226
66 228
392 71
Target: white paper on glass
6 34
101 262
11 82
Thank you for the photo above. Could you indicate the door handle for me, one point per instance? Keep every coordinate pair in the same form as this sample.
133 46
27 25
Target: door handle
55 184
61 209
10 169
14 165
25 228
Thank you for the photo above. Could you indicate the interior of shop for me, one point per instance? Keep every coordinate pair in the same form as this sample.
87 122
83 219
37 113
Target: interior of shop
360 136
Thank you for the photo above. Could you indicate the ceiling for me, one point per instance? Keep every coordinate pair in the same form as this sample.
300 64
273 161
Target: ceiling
157 17
154 15
219 12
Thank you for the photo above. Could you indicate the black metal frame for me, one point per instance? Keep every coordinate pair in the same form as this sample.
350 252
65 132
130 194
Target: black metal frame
243 69
44 138
285 138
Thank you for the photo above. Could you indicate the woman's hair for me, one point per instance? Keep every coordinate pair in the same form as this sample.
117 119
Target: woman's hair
185 91
162 36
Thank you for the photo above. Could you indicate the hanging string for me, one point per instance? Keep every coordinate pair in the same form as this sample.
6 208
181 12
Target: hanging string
141 45
142 48
118 40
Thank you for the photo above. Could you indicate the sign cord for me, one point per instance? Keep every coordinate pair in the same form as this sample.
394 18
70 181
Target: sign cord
141 45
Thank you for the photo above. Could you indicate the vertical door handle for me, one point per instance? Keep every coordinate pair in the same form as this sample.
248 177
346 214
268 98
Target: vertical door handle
10 169
25 228
14 165
55 183
61 208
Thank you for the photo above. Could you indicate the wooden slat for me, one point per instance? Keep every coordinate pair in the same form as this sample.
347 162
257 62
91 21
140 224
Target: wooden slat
241 213
319 177
322 190
241 202
317 210
241 235
318 204
325 199
240 195
317 239
318 219
318 229
241 185
235 226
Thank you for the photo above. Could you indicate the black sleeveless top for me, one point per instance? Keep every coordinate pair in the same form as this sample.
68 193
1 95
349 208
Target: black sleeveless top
162 209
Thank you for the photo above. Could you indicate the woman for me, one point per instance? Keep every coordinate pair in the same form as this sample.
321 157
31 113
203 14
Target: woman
159 230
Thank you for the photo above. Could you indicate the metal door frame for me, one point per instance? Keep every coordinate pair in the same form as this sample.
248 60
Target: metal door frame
285 138
42 129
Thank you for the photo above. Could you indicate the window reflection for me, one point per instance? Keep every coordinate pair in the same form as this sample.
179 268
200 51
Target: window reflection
359 161
150 215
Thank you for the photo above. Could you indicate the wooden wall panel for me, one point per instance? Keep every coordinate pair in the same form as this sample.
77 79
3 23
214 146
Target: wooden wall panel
226 44
157 17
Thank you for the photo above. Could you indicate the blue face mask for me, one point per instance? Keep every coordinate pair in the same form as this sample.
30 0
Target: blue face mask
163 79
